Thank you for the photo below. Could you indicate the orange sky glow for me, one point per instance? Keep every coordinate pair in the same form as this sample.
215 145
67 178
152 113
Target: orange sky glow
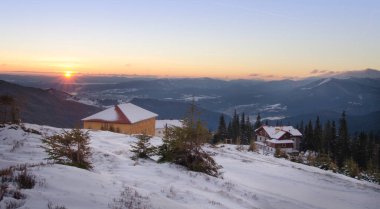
219 39
161 69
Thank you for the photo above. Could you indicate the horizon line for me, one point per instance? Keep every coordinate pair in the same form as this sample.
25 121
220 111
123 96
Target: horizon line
255 77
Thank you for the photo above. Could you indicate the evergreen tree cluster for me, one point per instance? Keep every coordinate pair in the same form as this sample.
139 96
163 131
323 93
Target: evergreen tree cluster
183 146
361 150
240 129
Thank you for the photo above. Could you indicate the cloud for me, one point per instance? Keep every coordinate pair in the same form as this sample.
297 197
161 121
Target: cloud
316 71
260 75
254 75
290 77
127 65
323 72
272 76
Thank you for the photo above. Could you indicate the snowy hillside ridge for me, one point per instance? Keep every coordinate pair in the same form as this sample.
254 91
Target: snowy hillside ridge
250 180
324 81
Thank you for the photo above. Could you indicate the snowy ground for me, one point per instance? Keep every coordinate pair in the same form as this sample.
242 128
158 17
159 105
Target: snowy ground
250 180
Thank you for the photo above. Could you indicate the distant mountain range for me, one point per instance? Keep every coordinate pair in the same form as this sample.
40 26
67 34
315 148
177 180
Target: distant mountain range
178 110
367 73
356 92
47 107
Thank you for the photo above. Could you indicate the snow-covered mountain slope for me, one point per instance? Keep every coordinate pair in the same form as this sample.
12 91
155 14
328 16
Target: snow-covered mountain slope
250 180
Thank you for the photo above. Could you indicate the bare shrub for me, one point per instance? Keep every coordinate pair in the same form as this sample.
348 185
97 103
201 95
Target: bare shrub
13 204
50 205
352 168
3 190
172 193
240 148
16 145
279 153
25 180
5 172
6 175
130 199
228 186
30 130
215 203
16 177
18 195
41 182
252 147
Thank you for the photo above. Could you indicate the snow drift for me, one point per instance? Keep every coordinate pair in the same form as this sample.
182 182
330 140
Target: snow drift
250 180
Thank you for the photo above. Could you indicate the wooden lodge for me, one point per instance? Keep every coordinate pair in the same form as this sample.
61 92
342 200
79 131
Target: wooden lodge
123 118
286 138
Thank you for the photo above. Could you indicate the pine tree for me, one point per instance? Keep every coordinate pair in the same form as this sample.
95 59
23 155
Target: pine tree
183 145
301 127
317 141
326 138
360 150
333 141
243 130
235 128
250 130
303 143
229 130
70 148
371 151
258 123
142 148
222 128
376 157
310 136
342 142
221 133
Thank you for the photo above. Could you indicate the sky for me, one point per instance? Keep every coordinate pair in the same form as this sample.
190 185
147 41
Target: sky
228 39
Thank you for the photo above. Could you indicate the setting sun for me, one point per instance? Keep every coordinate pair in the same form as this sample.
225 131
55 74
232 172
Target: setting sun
68 74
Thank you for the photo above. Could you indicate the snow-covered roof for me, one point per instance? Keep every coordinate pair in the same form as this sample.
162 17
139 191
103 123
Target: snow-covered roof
290 129
276 132
123 113
162 123
109 114
135 113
